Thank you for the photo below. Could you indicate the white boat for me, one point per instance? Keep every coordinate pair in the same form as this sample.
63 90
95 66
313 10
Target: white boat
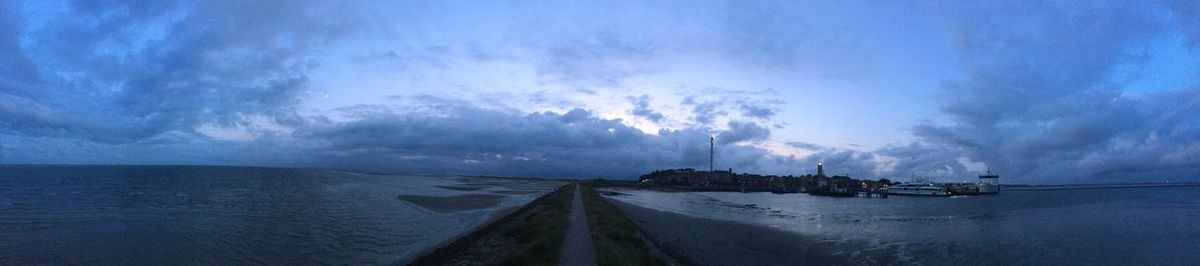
918 190
989 183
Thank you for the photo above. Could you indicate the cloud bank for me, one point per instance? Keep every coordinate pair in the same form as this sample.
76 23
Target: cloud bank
236 83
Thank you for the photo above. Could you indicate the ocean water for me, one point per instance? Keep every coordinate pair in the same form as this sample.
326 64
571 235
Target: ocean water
236 215
1135 226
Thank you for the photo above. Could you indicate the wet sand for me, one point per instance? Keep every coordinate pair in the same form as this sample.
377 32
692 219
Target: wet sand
455 203
460 188
712 242
515 192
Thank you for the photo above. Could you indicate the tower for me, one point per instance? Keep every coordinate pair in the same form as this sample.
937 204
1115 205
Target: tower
820 170
710 153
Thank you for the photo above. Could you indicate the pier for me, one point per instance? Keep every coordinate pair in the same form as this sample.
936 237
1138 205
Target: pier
883 194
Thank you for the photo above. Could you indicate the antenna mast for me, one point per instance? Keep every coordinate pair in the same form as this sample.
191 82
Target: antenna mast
710 153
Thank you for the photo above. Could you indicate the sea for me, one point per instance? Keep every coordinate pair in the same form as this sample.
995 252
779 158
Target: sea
1121 226
169 215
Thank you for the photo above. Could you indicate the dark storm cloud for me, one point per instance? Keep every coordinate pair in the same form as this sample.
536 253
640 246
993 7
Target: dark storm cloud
19 83
1038 107
17 73
641 107
741 131
125 71
1037 104
131 81
922 160
466 139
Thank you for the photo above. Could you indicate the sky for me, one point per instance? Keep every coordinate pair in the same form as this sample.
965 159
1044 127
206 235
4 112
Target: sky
1039 92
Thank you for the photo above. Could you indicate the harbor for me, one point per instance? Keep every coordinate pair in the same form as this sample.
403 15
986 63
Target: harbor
816 183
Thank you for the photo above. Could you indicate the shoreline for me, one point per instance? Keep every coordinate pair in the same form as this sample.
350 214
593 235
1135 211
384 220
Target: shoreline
715 242
453 249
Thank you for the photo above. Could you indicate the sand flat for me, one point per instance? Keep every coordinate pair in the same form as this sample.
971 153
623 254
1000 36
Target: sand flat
454 203
714 242
516 192
460 188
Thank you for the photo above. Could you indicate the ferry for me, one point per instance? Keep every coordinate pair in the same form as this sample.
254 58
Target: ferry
919 190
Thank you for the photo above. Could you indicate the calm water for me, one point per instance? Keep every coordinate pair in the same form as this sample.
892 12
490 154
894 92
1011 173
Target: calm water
1108 226
230 215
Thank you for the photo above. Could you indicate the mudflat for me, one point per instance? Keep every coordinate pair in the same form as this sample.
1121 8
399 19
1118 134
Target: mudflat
454 203
713 242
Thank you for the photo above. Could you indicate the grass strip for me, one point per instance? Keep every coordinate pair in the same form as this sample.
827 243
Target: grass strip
616 239
539 238
532 235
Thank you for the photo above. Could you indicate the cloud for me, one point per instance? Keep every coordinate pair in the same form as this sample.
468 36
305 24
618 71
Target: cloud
806 145
756 111
161 80
599 59
843 162
711 103
166 81
119 72
641 108
1037 105
922 161
794 36
741 131
462 138
706 112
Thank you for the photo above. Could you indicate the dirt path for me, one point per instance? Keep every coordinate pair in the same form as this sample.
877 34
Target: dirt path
577 247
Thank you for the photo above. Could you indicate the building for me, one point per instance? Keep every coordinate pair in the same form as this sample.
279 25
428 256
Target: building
689 176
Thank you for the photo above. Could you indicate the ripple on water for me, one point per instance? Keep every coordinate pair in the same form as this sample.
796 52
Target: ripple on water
234 215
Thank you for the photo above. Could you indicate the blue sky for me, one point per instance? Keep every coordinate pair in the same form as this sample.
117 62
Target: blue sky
1043 92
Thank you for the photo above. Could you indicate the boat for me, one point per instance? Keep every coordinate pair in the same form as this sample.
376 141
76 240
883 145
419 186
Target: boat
918 190
989 183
